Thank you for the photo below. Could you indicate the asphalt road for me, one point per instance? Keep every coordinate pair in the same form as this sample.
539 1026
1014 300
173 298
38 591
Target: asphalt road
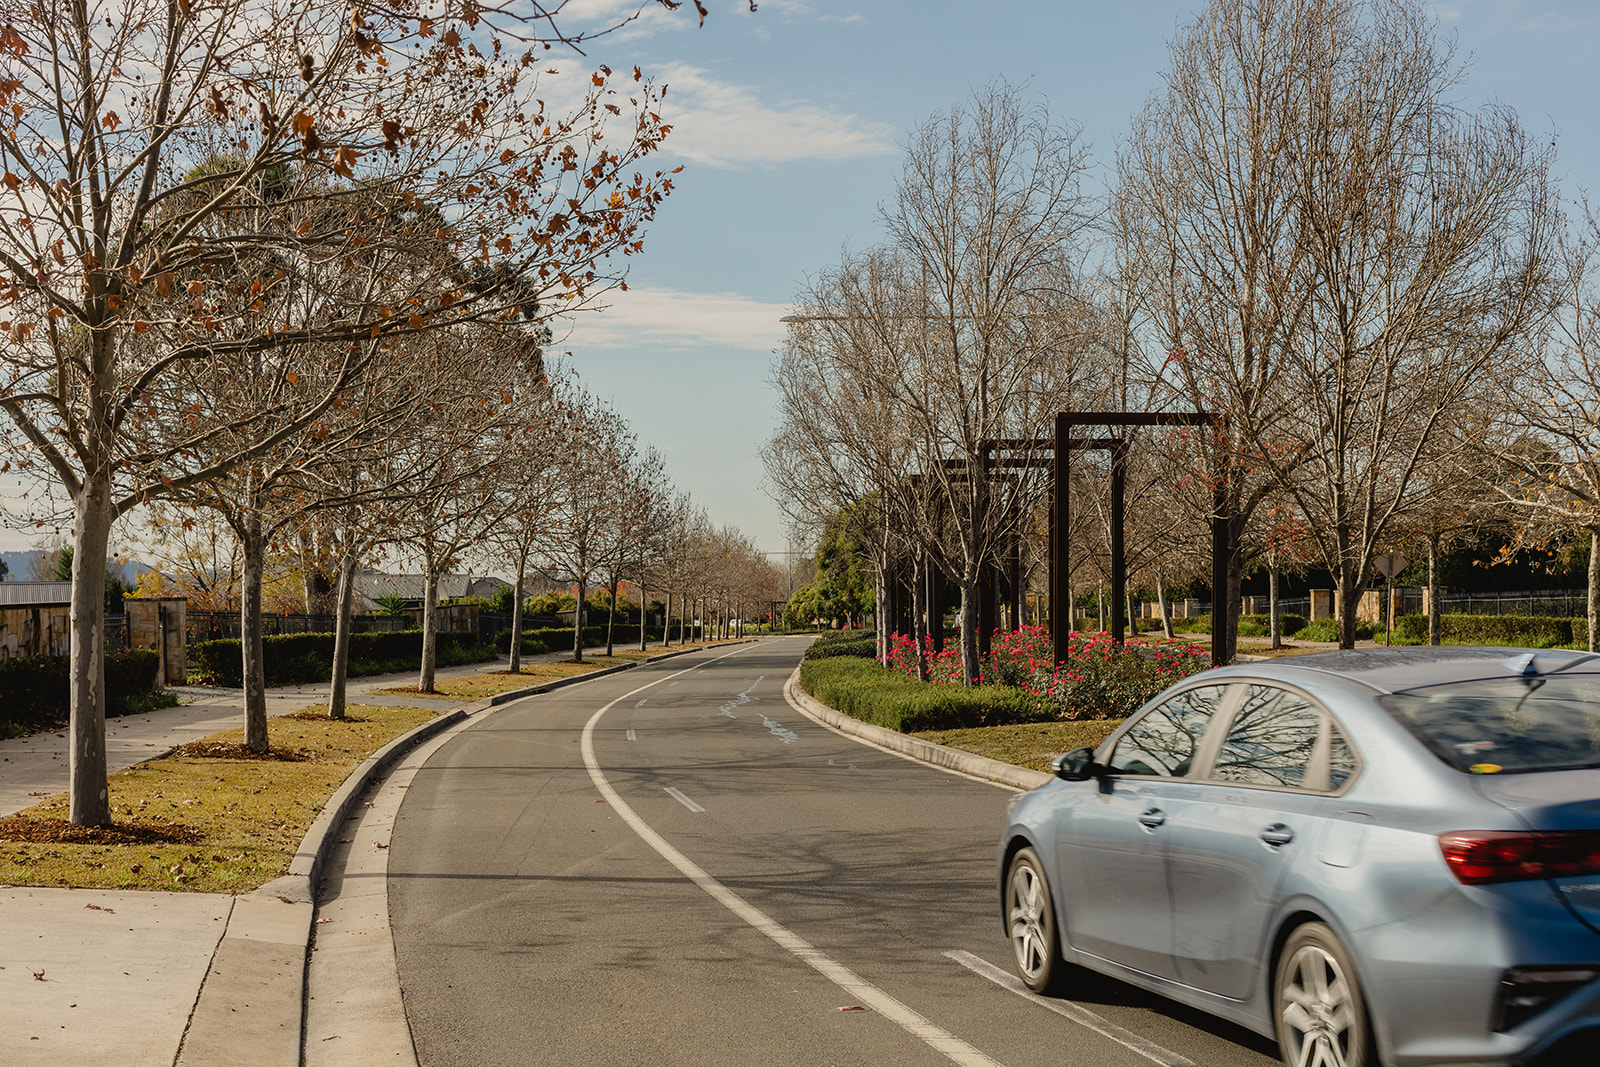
673 866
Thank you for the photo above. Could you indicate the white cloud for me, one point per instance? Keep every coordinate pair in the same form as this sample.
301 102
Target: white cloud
726 125
671 318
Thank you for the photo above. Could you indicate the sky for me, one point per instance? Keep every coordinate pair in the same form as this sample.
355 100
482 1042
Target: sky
789 123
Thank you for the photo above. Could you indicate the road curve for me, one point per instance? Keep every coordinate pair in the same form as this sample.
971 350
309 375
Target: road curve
673 866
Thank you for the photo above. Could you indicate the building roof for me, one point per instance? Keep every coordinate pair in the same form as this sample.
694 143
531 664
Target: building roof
30 593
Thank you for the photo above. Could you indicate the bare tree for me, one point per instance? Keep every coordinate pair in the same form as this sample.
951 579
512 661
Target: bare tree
582 533
1338 250
1549 462
128 129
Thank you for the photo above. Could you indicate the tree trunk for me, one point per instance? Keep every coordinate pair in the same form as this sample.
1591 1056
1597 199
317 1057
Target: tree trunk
1349 595
1275 622
1594 589
252 547
577 627
430 625
611 620
1166 608
969 627
919 625
344 600
644 619
515 665
1133 617
1435 628
89 801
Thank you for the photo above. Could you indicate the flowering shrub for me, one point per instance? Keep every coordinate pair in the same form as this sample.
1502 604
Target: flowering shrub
1100 679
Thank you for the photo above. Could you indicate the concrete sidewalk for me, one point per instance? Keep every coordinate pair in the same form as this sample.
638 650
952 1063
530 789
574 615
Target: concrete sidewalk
129 979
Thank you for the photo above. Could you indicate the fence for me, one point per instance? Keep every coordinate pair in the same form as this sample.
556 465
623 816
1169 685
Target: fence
1563 603
117 632
218 625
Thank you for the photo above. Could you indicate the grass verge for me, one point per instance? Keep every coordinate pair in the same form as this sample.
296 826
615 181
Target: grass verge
198 823
1030 744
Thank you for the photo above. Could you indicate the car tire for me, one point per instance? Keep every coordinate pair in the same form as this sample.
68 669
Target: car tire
1031 923
1317 1002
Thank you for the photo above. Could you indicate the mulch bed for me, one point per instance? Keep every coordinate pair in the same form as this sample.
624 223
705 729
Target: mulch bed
59 832
320 716
221 750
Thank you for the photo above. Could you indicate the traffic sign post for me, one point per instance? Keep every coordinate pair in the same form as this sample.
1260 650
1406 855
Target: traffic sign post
1390 565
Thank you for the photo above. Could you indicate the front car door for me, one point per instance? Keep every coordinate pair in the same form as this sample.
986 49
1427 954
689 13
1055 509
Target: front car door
1112 847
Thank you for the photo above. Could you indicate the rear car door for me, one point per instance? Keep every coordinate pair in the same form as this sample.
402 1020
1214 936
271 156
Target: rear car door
1260 806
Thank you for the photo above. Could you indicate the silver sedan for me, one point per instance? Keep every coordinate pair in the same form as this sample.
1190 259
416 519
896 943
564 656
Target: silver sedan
1374 856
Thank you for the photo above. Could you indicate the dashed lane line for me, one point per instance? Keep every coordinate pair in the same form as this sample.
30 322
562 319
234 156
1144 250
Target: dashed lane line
862 991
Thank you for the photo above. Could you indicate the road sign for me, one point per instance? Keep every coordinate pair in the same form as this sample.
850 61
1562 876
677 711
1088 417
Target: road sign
1390 564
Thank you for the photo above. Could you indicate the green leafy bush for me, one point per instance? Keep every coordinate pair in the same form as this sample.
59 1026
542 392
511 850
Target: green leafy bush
1523 631
1200 624
865 646
1328 630
865 689
1261 625
35 691
290 659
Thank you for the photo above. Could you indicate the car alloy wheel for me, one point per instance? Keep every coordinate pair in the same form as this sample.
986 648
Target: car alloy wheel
1030 922
1322 1018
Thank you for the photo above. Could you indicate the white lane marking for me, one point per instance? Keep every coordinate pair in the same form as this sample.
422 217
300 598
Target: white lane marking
1078 1014
780 731
631 735
743 698
859 989
858 770
677 794
641 702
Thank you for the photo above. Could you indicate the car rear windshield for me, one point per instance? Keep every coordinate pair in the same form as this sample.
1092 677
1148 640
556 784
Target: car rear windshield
1503 726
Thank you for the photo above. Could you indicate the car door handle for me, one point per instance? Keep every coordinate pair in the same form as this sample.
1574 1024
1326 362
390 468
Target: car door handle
1153 818
1277 834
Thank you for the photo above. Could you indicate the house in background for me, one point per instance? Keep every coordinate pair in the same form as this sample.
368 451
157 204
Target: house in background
35 618
372 586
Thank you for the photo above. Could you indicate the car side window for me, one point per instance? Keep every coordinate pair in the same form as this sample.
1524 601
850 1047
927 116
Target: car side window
1272 742
1164 741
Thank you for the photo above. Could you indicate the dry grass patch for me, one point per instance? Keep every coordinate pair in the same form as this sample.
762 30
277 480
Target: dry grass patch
478 686
1032 745
203 823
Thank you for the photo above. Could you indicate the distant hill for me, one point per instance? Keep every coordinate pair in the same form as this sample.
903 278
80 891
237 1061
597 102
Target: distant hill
19 567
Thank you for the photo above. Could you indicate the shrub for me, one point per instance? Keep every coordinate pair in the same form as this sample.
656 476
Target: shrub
1261 625
289 659
1328 630
35 691
856 645
1200 624
865 689
1527 631
1101 679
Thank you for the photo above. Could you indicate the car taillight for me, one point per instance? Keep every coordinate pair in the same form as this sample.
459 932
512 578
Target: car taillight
1479 856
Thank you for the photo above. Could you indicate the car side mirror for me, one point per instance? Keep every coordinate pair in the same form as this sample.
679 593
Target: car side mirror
1076 766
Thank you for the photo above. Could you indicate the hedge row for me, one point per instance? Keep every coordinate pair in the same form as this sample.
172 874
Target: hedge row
559 638
290 659
864 646
35 691
1525 631
865 689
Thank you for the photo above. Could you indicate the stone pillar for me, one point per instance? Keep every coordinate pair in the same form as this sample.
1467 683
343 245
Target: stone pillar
1321 604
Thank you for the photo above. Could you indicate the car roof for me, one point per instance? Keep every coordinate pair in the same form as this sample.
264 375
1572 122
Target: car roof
1395 669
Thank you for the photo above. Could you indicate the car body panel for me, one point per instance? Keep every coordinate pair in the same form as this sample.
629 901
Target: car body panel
1364 859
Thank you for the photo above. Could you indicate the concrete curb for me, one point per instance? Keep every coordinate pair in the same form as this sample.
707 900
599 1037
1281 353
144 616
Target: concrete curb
559 683
253 995
950 758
